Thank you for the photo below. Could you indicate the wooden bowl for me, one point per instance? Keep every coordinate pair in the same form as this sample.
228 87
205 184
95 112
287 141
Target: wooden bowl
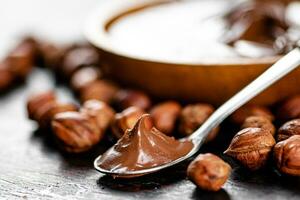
212 81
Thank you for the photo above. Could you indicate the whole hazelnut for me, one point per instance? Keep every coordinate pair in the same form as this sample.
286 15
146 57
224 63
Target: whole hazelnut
287 155
165 115
101 90
6 78
46 112
22 58
208 172
37 100
102 113
252 147
241 114
43 106
289 129
125 120
127 98
193 116
290 109
76 131
51 55
84 76
259 122
79 57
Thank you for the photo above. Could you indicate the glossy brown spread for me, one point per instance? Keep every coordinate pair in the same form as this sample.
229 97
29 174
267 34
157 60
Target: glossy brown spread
143 147
260 26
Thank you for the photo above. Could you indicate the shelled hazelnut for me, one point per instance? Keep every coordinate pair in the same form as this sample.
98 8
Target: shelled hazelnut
127 98
102 90
84 76
208 172
100 112
241 114
125 120
287 155
193 116
44 106
290 109
259 122
78 57
165 115
76 131
252 147
289 129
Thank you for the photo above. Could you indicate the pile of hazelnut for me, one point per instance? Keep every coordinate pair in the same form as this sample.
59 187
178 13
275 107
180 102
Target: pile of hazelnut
106 108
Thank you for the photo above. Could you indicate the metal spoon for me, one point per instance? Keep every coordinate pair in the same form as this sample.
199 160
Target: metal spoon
274 73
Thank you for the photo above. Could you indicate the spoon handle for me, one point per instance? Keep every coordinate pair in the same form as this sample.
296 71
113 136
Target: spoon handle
274 73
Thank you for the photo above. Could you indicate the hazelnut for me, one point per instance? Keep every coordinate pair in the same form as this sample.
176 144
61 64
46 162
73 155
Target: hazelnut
290 109
102 113
76 131
125 120
241 114
259 122
208 172
287 155
6 78
193 116
51 55
79 57
42 108
48 111
37 100
128 98
165 115
84 76
101 90
289 129
22 58
251 146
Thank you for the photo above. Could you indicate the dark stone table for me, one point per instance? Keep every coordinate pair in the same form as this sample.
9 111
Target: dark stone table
31 167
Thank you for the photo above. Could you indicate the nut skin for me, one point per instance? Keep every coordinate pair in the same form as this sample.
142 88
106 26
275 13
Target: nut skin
289 129
84 76
100 112
165 115
125 120
42 108
208 172
76 132
51 55
38 100
252 147
287 156
101 90
127 98
6 78
244 112
193 116
259 122
290 109
79 57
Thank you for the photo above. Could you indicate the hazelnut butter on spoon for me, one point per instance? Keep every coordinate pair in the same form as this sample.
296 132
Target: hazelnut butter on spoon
143 147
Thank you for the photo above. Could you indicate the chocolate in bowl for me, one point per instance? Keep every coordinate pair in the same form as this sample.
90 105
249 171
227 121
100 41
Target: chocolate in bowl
176 49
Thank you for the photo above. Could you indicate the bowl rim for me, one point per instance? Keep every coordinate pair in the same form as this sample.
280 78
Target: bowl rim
107 12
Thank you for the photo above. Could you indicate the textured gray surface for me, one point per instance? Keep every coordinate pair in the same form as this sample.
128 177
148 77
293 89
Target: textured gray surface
32 168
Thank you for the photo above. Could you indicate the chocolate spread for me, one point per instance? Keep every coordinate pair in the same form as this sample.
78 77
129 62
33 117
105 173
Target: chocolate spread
143 147
259 28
